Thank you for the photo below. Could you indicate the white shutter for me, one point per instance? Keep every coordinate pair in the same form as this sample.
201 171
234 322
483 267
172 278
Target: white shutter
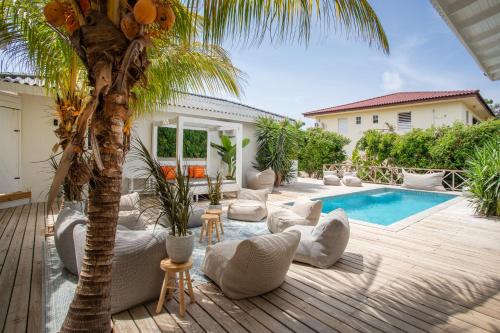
404 121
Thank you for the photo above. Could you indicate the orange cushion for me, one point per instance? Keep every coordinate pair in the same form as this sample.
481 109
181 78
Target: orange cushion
169 171
191 171
198 171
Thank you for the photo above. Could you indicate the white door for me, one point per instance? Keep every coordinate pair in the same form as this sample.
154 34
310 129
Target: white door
343 126
9 148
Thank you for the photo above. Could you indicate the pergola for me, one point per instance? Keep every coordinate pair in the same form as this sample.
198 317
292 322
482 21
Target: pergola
214 128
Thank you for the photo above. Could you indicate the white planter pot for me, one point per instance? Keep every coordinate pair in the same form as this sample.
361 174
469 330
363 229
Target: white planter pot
215 207
180 248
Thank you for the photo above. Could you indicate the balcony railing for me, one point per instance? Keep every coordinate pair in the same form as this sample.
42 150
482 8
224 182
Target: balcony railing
453 180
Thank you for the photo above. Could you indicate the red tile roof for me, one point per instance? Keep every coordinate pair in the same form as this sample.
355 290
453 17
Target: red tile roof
399 98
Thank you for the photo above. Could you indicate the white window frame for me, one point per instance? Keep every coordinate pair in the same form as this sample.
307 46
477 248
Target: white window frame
356 120
375 118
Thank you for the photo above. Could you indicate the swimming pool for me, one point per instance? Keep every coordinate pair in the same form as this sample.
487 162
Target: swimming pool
384 206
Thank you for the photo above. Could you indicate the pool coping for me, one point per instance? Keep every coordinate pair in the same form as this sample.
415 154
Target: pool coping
400 224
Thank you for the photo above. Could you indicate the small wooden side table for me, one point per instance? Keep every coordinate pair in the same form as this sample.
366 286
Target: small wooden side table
217 212
207 228
171 270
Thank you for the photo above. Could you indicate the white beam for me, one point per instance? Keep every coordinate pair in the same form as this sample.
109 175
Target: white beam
179 152
239 155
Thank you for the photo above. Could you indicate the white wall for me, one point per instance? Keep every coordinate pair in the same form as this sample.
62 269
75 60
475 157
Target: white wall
422 116
37 140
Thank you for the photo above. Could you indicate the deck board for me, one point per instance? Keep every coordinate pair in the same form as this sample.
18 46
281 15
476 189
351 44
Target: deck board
441 274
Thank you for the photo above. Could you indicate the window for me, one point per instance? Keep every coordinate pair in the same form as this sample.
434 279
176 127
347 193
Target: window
358 120
404 121
475 121
375 118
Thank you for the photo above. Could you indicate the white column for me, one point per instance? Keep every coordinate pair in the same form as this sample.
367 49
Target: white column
239 155
180 142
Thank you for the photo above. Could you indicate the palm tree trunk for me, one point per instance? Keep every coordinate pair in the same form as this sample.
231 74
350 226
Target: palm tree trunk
90 309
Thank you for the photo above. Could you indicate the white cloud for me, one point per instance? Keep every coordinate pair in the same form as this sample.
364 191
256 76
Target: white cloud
391 81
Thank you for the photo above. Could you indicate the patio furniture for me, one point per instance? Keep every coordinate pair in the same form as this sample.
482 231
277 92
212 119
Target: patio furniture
261 180
426 182
171 270
210 222
136 275
331 180
351 179
250 267
302 212
323 244
63 236
250 206
217 212
129 202
132 219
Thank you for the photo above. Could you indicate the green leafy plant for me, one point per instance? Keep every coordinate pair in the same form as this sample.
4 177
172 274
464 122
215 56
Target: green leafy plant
483 179
227 151
215 189
277 146
319 147
194 144
173 198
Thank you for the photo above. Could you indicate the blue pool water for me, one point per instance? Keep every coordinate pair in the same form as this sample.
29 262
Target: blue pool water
384 206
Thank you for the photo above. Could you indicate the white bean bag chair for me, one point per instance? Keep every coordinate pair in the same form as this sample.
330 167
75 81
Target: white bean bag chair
136 274
250 267
351 179
249 206
331 180
426 182
302 212
67 219
129 202
132 219
322 245
261 180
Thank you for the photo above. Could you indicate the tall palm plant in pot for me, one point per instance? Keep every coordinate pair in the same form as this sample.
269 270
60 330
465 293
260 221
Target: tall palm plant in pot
173 201
215 191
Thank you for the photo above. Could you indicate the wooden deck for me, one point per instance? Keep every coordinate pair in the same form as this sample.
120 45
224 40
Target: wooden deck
441 274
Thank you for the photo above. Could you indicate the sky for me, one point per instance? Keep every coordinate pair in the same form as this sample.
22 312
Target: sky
332 70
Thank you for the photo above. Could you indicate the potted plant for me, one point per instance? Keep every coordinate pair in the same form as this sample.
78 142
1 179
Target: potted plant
227 152
215 191
174 203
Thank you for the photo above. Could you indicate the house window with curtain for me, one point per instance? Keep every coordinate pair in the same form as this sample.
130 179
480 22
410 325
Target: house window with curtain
358 120
375 118
404 121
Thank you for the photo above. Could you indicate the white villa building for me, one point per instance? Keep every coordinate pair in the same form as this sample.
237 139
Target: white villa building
27 125
403 111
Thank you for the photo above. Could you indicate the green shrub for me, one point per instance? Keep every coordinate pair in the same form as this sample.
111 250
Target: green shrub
277 146
319 147
483 179
376 145
445 147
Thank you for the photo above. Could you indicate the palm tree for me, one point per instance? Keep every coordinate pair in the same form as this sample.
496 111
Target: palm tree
117 65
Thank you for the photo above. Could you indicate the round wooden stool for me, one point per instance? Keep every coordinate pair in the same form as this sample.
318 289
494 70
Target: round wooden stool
217 212
209 222
171 270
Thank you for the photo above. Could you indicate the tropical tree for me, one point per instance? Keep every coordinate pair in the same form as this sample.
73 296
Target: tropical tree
114 40
227 152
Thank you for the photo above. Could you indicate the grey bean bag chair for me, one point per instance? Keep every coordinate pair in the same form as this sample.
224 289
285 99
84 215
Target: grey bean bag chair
331 180
426 182
250 267
67 219
302 212
129 202
261 180
136 276
351 179
250 206
323 244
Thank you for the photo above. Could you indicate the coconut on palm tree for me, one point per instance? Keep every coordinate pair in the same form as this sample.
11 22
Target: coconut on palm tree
115 41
